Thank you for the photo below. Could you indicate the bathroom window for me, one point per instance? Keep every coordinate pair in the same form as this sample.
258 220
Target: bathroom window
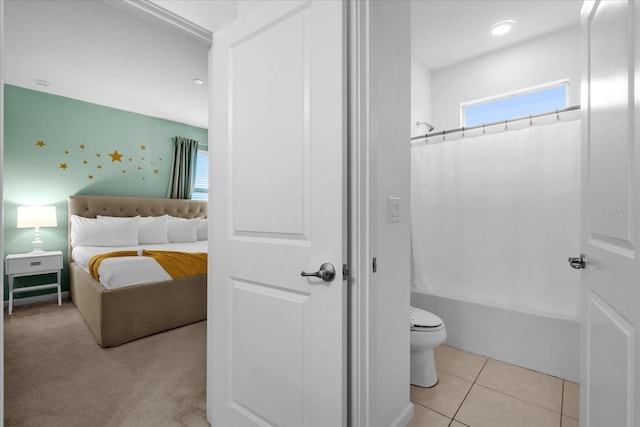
522 103
201 186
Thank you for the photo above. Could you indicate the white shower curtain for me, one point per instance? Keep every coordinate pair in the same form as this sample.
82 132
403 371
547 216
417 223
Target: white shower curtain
495 217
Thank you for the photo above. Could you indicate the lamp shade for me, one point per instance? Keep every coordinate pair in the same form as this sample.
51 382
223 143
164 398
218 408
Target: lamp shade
37 216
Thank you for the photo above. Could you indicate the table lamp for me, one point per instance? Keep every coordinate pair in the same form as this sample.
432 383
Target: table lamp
37 216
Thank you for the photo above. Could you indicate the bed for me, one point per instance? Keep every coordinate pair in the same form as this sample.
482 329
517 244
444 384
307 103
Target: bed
122 314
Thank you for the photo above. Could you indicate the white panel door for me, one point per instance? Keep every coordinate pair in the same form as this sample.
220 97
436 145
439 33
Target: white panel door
277 340
610 375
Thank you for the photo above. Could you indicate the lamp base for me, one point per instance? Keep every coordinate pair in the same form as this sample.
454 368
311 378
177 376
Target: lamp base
37 243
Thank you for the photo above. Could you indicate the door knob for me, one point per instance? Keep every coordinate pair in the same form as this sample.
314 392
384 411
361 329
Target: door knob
327 272
577 263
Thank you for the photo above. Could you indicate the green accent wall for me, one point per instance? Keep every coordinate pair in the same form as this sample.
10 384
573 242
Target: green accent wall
56 146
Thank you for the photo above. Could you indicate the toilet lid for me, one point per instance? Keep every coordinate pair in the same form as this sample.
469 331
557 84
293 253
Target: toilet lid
420 318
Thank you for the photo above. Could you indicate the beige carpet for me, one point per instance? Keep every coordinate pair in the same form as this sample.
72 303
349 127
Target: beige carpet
56 374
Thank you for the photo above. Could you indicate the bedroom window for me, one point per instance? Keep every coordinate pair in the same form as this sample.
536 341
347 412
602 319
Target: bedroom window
539 99
201 186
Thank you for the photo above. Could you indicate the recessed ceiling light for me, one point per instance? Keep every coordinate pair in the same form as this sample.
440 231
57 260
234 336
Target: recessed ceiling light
503 27
198 81
41 82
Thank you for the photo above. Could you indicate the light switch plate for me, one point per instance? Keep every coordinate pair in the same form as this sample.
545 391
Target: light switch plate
394 209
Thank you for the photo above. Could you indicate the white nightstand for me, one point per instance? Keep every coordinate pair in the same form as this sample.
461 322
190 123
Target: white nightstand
18 265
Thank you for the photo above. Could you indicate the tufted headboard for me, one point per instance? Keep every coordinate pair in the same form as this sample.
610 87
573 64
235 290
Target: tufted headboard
90 206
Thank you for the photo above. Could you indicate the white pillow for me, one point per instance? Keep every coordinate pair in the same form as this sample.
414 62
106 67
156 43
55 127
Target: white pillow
203 229
183 230
104 232
115 218
151 229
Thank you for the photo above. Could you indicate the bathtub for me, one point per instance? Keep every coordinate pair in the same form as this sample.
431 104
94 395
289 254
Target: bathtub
542 343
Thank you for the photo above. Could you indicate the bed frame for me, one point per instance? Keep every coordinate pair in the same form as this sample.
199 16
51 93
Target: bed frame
116 316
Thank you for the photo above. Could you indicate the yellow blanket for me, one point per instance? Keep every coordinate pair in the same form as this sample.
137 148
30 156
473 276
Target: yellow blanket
176 264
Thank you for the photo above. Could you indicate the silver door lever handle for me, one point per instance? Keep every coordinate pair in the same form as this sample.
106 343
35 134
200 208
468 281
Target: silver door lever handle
577 263
327 272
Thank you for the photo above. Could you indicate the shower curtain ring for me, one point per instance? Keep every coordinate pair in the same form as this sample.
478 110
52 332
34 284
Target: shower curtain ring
505 125
483 131
557 115
463 131
530 120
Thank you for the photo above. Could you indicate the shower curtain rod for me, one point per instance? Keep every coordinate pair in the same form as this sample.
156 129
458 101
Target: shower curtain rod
505 122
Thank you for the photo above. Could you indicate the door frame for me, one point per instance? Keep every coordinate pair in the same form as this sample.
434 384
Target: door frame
1 198
360 169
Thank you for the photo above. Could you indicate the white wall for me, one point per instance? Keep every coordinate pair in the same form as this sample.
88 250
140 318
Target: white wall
548 58
390 78
245 6
420 96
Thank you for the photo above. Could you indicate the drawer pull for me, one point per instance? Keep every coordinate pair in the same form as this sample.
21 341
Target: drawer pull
34 263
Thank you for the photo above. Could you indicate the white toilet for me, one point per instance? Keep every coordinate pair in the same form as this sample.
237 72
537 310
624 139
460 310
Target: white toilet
427 332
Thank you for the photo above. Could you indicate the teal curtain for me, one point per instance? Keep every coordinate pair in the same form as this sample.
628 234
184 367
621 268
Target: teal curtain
183 168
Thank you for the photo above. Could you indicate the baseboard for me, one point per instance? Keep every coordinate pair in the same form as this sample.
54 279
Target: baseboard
544 344
404 417
38 298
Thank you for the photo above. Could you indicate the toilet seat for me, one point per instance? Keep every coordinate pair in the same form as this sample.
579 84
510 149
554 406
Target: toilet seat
422 320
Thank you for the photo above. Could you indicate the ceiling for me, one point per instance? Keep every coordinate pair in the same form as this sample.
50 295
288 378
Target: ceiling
445 32
142 56
114 56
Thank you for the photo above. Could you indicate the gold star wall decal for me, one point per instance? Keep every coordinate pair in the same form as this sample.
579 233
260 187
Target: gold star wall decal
148 166
115 156
40 143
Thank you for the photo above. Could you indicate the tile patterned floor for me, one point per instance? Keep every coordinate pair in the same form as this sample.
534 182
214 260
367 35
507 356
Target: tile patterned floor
475 391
